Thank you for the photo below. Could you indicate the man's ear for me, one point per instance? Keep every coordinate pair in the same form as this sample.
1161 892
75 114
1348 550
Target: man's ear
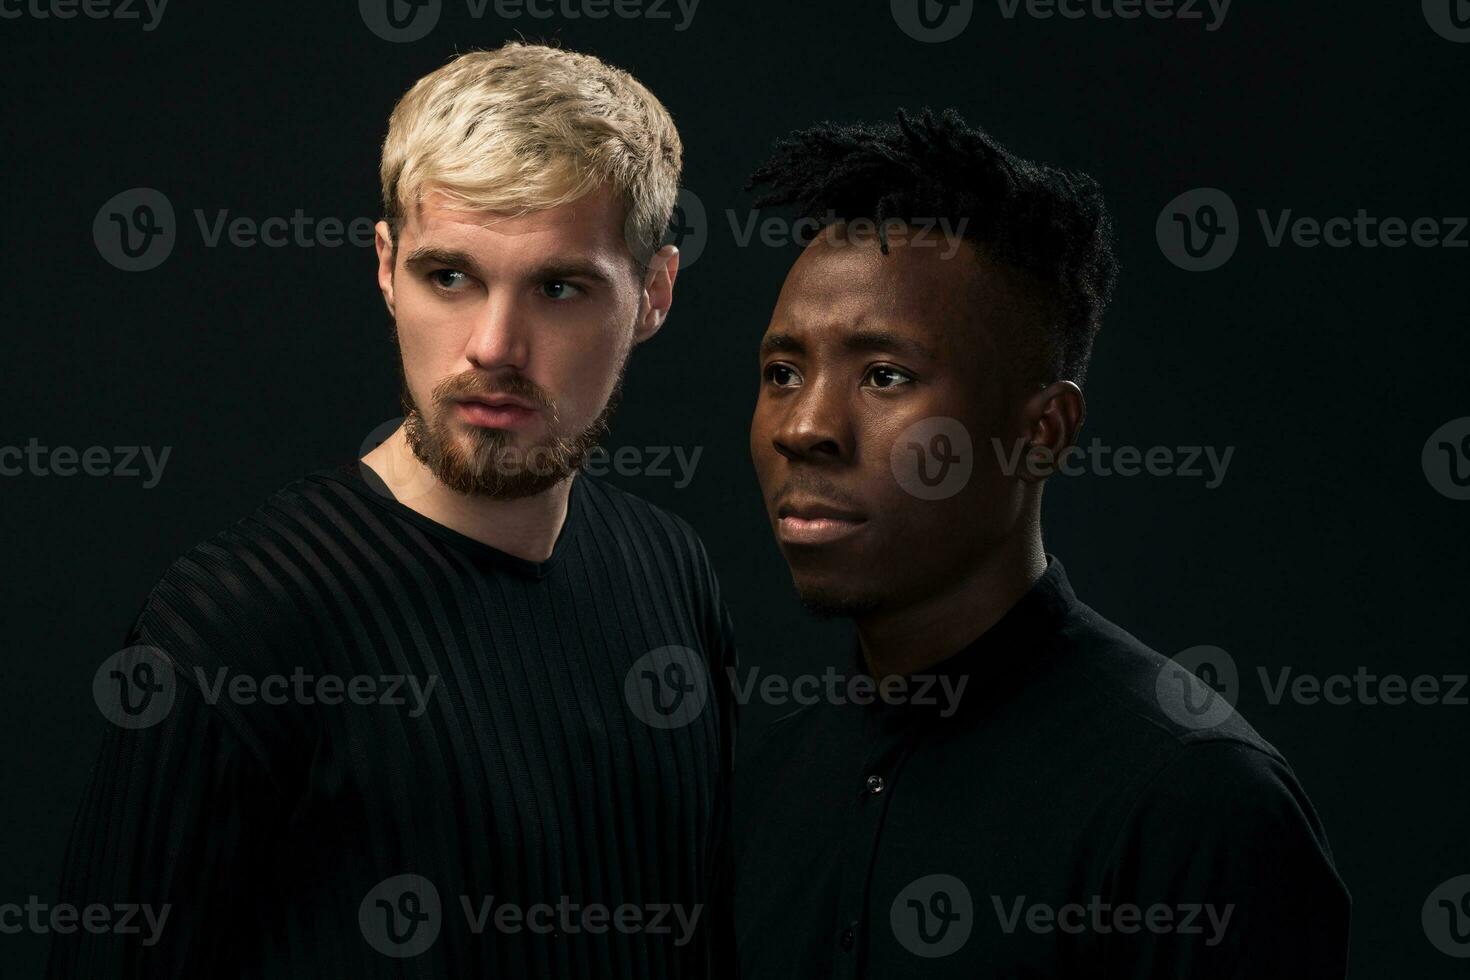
383 242
1052 418
658 292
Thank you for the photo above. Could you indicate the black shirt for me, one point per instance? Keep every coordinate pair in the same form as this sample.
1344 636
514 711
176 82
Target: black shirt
1059 822
387 749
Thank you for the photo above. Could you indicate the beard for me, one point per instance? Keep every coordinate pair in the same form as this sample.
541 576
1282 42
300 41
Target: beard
490 462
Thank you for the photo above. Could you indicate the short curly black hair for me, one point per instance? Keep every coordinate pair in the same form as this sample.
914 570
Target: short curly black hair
1051 223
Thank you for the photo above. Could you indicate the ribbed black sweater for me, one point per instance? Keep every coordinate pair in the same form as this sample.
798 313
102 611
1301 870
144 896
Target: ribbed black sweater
305 804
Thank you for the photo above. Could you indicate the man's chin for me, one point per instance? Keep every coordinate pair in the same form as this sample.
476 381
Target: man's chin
830 600
509 470
507 486
492 463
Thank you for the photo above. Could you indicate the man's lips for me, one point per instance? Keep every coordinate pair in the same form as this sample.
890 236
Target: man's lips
815 522
495 411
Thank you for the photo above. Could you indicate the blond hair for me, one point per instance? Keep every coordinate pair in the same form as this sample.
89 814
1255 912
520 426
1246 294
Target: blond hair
529 127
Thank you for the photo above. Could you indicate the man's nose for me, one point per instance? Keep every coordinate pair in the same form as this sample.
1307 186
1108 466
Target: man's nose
816 424
500 335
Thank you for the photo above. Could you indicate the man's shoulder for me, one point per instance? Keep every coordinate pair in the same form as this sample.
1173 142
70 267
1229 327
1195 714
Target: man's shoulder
283 525
1202 811
620 514
1125 684
1182 752
244 586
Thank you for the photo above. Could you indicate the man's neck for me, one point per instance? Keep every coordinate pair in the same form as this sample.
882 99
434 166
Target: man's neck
912 639
526 528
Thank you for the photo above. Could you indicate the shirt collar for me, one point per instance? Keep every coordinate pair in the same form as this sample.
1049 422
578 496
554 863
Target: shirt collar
992 664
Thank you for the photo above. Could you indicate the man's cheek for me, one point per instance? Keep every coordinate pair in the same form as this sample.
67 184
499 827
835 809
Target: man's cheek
425 371
762 454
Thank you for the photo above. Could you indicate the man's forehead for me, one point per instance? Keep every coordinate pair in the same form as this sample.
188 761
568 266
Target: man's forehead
841 291
585 233
849 326
594 217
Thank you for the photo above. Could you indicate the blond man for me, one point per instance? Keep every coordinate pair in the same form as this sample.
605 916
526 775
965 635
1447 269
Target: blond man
451 709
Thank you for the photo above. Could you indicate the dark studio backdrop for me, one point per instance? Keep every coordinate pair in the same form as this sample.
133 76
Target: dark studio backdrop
1334 544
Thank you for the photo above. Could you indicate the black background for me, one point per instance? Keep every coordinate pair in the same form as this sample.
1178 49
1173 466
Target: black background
1325 549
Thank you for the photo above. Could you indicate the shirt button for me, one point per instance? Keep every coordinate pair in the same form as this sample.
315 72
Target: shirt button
875 785
849 936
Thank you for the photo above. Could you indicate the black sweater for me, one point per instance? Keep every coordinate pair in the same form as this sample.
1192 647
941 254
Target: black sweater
350 742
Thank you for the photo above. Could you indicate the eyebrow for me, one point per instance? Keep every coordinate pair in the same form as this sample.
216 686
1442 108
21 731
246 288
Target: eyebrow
859 340
885 340
771 343
571 269
426 256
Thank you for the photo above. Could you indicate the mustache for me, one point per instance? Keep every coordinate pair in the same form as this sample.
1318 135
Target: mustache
805 481
512 384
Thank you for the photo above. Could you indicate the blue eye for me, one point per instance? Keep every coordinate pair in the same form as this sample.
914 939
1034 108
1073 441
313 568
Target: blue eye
559 289
447 279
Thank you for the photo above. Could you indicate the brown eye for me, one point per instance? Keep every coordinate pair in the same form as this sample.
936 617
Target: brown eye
886 376
781 375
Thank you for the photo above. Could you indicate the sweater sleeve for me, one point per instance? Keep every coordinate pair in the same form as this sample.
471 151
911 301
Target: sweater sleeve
718 637
167 837
1223 870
